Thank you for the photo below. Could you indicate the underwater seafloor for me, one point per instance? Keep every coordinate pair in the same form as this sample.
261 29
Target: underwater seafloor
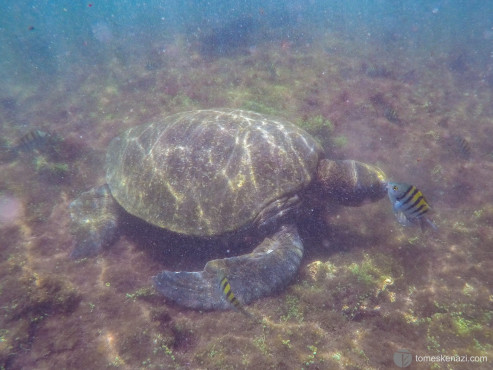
367 287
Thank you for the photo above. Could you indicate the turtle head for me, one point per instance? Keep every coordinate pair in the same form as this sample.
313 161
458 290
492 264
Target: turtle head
351 183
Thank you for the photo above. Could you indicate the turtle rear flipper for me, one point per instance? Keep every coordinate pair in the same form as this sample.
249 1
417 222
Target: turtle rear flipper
270 267
94 218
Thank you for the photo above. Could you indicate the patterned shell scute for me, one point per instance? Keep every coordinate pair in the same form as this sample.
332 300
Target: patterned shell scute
208 172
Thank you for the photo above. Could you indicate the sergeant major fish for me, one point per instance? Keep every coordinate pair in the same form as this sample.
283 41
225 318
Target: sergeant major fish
409 204
457 145
230 297
461 147
33 140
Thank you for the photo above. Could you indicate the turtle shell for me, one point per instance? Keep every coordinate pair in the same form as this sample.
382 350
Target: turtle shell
208 172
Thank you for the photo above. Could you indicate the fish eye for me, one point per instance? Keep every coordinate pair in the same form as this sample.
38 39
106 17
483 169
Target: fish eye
395 187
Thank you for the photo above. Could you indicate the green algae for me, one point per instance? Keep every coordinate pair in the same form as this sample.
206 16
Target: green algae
355 289
374 271
259 342
259 107
184 102
43 295
316 124
312 356
32 300
292 309
142 293
340 141
320 127
464 326
286 342
447 332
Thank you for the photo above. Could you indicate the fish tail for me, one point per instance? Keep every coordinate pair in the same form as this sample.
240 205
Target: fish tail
425 222
431 223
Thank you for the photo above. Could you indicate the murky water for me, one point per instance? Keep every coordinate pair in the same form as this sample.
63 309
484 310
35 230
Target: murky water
408 88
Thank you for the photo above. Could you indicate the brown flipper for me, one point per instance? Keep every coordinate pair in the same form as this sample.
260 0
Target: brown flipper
270 267
94 218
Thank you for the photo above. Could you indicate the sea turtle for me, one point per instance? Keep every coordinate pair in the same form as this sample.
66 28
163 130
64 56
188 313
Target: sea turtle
207 173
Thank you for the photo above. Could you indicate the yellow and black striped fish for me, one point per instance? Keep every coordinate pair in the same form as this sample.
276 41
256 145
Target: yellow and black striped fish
231 298
34 139
392 116
228 293
462 147
457 145
409 204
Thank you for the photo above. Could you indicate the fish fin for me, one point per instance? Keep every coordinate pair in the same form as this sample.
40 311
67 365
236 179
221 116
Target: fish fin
431 223
425 222
402 218
94 222
397 206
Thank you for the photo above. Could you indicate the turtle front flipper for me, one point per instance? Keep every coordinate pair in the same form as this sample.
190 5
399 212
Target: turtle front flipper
94 218
270 267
